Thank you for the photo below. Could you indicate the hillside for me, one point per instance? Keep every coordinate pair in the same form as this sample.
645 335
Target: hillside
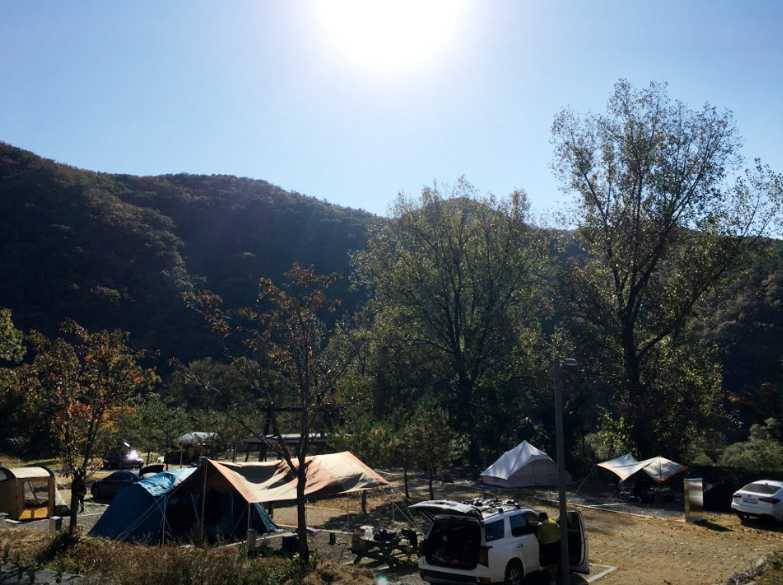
119 250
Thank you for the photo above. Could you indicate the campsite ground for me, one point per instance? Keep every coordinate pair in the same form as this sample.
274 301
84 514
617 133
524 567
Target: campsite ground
644 550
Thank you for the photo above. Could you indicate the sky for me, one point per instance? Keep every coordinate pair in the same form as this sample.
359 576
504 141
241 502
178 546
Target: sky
354 102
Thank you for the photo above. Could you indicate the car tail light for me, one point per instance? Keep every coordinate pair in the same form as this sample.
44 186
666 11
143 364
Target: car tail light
484 555
769 500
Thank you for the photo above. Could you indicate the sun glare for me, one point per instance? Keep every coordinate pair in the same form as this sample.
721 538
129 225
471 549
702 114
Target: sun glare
389 35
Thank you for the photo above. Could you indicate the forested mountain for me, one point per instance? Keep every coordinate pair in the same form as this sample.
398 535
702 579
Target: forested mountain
120 251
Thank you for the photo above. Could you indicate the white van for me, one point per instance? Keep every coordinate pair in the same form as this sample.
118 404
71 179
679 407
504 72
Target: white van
488 542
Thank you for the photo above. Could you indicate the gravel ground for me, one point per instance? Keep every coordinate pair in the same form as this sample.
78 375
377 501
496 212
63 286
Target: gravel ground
644 550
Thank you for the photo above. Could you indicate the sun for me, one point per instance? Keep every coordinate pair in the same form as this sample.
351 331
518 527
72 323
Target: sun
391 35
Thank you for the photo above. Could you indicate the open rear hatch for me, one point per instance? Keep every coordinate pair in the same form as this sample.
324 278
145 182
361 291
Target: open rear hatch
454 540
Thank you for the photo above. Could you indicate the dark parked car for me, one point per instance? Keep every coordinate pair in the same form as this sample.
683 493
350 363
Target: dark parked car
122 457
111 485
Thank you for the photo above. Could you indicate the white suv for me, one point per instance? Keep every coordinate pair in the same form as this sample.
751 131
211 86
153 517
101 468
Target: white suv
488 542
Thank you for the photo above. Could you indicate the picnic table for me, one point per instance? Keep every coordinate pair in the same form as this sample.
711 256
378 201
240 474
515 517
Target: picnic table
394 549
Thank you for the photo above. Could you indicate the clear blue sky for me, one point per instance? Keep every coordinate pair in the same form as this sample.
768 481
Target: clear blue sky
266 90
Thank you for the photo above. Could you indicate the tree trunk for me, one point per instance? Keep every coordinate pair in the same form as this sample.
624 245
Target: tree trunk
301 513
636 411
432 492
76 486
405 481
466 416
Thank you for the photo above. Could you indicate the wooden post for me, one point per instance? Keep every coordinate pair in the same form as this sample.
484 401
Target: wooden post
364 502
204 499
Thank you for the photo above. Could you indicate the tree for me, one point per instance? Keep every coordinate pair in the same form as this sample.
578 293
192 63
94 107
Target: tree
296 343
11 346
664 217
433 440
296 359
450 270
82 381
12 350
763 451
153 424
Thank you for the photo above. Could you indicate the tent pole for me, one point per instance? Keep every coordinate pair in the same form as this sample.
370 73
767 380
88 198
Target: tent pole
579 487
163 523
204 498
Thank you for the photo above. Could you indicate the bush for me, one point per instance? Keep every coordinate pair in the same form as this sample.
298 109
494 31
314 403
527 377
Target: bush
114 563
761 452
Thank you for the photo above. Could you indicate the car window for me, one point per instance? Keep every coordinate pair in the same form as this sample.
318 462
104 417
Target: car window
761 488
494 530
518 525
122 476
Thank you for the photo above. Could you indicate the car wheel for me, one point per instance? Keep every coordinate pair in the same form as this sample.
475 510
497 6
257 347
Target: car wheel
514 573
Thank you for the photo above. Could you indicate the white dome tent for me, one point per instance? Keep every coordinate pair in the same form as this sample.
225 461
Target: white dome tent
522 466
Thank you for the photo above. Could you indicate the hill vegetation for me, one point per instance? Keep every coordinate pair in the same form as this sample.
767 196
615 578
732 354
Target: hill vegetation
118 251
449 313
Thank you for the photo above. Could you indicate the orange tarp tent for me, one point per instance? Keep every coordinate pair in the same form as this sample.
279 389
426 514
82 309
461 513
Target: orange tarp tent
266 482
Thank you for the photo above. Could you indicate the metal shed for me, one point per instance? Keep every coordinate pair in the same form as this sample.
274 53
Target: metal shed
27 493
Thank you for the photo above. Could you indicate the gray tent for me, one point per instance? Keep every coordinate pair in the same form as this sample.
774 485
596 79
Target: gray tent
522 466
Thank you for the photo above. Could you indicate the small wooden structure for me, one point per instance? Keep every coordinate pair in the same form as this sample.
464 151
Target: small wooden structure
27 493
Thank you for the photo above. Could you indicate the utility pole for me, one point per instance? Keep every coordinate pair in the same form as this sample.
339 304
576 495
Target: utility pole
565 562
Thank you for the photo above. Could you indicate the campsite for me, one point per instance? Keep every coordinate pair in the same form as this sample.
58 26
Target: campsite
391 292
630 540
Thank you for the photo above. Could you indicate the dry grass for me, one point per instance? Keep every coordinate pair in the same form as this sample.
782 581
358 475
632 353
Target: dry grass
113 563
773 571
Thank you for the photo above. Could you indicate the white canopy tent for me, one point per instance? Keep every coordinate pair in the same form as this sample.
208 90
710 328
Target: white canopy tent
522 466
659 468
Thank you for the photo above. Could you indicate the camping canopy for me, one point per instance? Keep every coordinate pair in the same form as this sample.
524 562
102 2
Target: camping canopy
522 466
659 469
624 466
265 482
662 469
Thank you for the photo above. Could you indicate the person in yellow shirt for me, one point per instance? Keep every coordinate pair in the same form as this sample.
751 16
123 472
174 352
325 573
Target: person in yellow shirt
548 534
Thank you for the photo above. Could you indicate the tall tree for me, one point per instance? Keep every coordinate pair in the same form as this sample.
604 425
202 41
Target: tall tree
297 361
665 216
451 268
82 381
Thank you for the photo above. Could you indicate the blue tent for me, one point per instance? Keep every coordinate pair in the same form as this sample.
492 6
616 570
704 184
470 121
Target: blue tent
152 507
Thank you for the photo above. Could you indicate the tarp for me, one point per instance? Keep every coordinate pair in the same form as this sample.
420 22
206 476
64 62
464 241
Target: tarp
136 512
522 466
145 510
264 482
194 438
624 466
659 468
